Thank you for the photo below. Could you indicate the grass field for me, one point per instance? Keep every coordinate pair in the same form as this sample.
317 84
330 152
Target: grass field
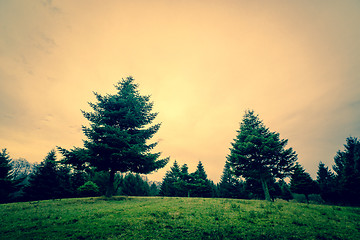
175 218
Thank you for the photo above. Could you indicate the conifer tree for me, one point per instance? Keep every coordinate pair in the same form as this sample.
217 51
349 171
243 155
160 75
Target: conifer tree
302 183
6 184
230 186
119 133
169 183
49 180
134 185
199 185
326 183
347 168
285 190
259 153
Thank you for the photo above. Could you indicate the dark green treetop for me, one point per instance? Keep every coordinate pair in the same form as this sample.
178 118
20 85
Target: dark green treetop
259 153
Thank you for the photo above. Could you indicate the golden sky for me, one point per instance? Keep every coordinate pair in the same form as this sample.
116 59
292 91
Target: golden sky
296 63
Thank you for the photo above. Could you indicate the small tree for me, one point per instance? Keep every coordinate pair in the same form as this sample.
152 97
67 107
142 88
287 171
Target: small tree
134 185
326 183
302 183
118 135
88 189
200 185
49 180
260 154
6 184
168 185
285 190
229 186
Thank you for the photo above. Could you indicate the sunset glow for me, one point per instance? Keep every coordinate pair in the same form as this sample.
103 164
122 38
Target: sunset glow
295 63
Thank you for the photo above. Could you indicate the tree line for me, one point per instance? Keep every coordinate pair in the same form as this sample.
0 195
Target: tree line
118 148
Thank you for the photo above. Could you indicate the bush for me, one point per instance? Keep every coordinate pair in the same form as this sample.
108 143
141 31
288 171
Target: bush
89 189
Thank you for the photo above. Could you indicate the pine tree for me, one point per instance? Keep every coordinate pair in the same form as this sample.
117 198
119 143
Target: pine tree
49 181
347 168
326 183
169 183
199 184
6 184
134 185
260 154
302 183
182 185
154 190
229 186
118 135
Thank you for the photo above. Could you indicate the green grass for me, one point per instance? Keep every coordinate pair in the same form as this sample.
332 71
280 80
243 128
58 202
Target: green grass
175 218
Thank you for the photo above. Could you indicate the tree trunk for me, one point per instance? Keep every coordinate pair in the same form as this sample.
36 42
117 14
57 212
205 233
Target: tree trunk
266 189
110 187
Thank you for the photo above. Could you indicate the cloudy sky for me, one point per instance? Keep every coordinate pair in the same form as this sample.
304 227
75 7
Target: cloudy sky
296 63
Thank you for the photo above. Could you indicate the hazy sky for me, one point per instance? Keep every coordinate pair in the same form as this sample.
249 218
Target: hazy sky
296 63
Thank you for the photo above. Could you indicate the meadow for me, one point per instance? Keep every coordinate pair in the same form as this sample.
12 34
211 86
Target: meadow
176 218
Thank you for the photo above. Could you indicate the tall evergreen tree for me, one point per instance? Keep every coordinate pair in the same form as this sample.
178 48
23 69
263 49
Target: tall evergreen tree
6 184
118 135
259 153
302 183
347 168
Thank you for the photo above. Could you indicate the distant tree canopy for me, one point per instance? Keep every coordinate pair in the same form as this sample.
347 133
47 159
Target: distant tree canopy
118 135
178 182
259 153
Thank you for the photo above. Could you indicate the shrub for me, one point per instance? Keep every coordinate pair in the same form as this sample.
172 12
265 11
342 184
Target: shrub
89 189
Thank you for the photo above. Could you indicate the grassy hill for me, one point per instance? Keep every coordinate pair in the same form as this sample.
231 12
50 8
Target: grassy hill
175 218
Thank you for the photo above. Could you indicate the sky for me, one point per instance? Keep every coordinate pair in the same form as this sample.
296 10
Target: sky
295 63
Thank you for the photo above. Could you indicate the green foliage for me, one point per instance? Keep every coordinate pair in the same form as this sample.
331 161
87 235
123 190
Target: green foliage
230 186
119 133
134 185
347 168
49 180
199 185
176 218
259 153
302 183
285 191
154 189
89 189
178 182
327 184
6 184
